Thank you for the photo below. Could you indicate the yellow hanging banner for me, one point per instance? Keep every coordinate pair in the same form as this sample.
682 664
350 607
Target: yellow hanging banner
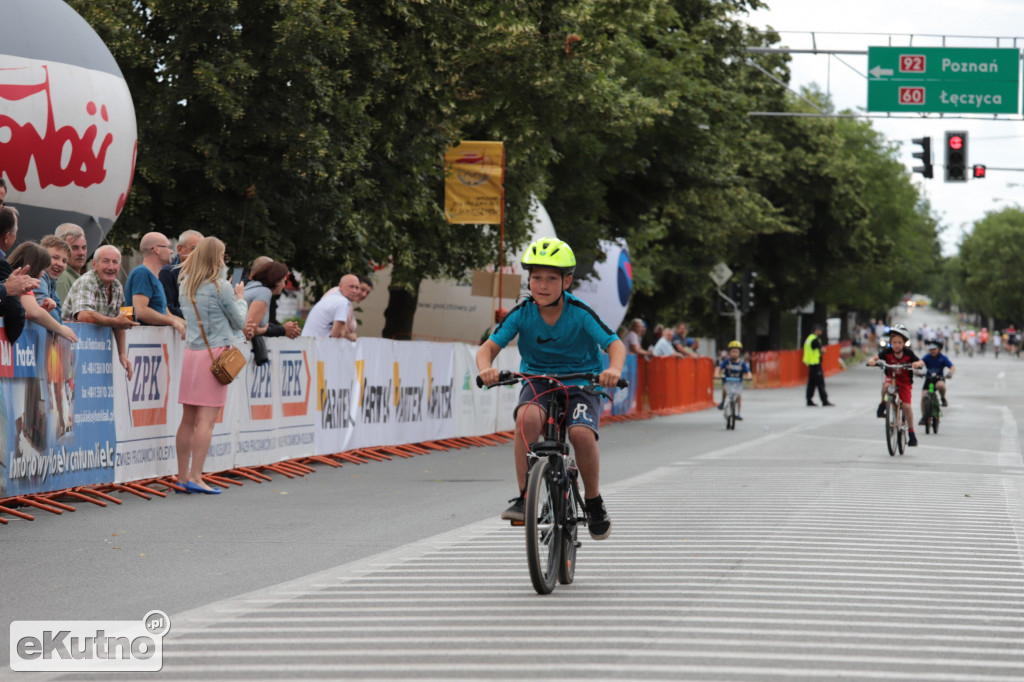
474 176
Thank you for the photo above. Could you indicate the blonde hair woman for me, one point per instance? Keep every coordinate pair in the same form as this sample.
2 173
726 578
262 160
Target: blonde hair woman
202 287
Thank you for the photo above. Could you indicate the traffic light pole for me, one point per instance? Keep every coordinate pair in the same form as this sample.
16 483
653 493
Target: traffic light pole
736 313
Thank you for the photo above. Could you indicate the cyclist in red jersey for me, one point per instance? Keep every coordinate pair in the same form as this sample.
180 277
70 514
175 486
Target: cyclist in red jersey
897 353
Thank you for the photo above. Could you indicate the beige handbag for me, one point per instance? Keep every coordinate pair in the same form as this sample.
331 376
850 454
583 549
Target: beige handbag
229 364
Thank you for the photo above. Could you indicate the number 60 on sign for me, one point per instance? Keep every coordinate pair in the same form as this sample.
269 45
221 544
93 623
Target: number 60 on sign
911 95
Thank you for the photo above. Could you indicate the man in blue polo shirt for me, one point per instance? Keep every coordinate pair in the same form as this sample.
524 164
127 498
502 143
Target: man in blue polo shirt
143 290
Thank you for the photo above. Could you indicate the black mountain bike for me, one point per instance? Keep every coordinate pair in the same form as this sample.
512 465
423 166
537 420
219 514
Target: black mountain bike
554 504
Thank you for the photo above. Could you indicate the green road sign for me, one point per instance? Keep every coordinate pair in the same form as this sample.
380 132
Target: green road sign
962 80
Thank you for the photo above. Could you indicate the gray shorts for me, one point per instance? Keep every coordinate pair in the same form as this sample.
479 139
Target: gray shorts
583 410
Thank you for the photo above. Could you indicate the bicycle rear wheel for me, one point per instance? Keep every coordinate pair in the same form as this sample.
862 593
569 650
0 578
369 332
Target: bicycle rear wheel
567 563
891 428
543 529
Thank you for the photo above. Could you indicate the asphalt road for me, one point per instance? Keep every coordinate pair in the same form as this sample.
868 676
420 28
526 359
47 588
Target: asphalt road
792 548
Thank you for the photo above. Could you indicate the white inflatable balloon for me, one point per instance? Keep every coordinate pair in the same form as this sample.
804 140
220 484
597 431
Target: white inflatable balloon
608 289
67 123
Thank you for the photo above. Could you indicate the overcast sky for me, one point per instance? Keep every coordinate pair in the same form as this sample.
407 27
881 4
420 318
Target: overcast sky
856 25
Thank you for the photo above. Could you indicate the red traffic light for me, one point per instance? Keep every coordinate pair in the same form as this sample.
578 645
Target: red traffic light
956 142
979 171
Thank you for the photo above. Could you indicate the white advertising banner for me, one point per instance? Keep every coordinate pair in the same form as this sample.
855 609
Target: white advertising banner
381 392
481 411
405 392
335 395
147 407
276 419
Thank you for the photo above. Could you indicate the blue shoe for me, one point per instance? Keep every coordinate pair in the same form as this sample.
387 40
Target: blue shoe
182 492
195 488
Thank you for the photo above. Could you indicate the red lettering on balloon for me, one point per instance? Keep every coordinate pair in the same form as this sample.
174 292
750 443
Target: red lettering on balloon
83 168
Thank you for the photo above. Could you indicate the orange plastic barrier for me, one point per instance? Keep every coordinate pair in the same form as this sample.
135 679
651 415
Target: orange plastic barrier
777 368
677 384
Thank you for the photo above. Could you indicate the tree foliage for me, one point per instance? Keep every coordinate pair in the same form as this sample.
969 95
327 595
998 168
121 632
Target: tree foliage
988 269
313 131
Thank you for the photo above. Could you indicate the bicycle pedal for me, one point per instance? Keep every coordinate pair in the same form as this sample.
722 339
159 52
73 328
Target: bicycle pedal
518 523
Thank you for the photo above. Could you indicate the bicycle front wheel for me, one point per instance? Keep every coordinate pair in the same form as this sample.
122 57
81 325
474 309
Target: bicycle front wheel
926 412
543 529
901 440
891 427
730 415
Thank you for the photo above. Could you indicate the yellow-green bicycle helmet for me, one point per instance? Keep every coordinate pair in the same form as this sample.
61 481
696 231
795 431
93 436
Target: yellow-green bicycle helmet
735 344
550 253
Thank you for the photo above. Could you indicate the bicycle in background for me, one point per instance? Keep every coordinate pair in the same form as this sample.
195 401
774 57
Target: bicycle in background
554 503
931 408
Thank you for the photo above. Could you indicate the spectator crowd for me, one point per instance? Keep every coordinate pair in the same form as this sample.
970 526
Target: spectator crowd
183 286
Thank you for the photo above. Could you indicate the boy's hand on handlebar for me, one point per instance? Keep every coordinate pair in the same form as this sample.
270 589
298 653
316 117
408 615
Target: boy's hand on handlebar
489 376
610 378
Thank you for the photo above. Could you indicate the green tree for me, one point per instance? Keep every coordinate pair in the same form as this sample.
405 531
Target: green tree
990 258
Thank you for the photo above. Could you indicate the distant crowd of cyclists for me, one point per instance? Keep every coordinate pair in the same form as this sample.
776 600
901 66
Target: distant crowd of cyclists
958 340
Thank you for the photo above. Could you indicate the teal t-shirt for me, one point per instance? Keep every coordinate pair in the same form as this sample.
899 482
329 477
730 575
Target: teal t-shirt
573 344
142 281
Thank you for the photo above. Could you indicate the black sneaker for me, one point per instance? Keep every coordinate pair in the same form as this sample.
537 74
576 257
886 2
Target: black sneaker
517 512
739 418
944 403
921 423
811 403
721 405
881 411
912 441
828 404
599 525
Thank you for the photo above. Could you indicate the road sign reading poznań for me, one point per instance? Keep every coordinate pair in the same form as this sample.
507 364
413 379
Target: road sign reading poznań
960 80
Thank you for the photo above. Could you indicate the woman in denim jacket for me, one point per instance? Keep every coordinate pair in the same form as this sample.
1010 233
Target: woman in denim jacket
202 288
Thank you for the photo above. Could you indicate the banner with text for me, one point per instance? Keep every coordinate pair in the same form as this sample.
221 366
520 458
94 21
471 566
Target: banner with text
57 413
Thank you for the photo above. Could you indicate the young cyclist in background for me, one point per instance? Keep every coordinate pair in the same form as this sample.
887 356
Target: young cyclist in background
935 362
558 334
732 367
897 353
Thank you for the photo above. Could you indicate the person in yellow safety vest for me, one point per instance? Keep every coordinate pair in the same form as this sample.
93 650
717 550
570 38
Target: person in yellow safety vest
812 358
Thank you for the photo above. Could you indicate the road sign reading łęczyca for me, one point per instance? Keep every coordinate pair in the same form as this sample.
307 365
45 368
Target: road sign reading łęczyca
961 80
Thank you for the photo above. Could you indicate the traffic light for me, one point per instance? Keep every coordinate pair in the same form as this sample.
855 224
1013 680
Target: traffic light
925 155
956 156
979 171
747 293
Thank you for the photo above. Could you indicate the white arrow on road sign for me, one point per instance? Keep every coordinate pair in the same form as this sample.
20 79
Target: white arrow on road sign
878 72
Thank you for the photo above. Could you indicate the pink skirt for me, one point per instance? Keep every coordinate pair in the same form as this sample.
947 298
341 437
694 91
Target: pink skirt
198 385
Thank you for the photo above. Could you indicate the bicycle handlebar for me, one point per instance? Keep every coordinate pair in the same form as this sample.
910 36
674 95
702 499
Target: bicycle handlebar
507 378
905 367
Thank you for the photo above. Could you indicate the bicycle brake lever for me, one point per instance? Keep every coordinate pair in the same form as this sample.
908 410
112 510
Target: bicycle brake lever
596 390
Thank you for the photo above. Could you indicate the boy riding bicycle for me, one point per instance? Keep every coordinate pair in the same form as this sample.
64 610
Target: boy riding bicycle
733 370
936 362
897 353
558 334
